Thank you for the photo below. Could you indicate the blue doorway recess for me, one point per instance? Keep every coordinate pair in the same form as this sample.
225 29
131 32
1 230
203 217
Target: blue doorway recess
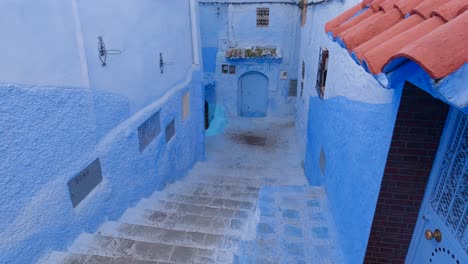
253 95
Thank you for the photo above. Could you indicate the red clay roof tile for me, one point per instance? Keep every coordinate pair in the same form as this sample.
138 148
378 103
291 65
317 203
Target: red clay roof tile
352 22
369 28
377 57
405 6
366 2
342 18
441 52
465 8
376 5
388 5
433 34
450 10
426 7
400 27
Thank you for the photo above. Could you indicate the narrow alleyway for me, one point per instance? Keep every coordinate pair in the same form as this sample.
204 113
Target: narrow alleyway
247 203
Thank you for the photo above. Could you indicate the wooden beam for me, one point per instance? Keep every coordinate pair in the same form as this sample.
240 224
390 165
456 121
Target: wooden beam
304 12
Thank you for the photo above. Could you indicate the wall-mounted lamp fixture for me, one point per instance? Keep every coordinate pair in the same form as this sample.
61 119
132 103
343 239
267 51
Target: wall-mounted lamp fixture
162 63
103 52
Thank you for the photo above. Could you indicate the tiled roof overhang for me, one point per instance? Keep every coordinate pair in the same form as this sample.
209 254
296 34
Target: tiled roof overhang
381 35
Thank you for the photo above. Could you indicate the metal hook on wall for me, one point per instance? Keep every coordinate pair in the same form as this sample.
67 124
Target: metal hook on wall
103 52
162 63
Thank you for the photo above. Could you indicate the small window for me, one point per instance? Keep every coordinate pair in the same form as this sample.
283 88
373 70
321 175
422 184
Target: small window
263 17
225 68
232 69
292 88
322 72
185 105
170 131
303 70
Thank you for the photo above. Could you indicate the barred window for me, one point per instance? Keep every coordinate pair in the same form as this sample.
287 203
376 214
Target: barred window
292 88
322 72
263 17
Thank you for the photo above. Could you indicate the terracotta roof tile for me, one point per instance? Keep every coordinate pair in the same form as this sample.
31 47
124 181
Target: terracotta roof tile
465 8
388 5
352 22
441 52
450 10
370 28
426 7
366 2
405 6
376 5
400 27
392 31
342 18
377 57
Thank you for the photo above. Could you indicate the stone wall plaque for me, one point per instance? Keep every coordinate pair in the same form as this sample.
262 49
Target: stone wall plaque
149 130
170 131
83 183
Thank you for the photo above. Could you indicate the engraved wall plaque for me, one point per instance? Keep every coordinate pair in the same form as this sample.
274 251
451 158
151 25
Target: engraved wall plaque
170 131
149 130
83 183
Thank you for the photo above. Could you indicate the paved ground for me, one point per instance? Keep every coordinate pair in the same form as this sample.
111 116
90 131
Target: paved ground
247 203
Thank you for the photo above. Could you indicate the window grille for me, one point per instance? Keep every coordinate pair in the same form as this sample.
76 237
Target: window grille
322 72
263 17
449 197
292 88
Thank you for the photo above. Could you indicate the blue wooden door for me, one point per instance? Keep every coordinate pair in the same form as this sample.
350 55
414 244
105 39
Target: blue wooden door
253 95
441 234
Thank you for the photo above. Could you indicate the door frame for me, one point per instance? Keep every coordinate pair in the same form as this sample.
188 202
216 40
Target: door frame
433 180
239 90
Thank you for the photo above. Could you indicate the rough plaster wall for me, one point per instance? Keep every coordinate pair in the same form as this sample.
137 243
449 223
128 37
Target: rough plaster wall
237 23
50 133
39 44
355 137
354 125
281 32
345 77
48 141
141 31
213 25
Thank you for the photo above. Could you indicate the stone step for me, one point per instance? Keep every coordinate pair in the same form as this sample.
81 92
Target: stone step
167 236
187 222
232 204
204 176
234 180
114 247
226 191
70 258
189 208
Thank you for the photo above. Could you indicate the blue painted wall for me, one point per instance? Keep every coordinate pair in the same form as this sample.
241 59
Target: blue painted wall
224 25
39 44
54 123
353 124
141 32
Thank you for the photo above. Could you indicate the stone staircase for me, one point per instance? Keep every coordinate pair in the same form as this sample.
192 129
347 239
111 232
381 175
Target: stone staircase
205 217
199 221
295 226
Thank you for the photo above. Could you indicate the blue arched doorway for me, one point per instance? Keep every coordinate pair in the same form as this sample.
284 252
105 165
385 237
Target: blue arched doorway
253 95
